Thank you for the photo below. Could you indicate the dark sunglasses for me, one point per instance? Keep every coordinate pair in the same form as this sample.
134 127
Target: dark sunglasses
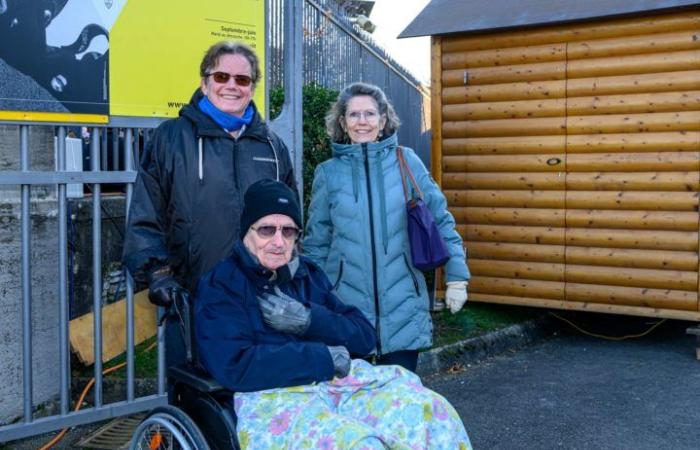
268 231
223 77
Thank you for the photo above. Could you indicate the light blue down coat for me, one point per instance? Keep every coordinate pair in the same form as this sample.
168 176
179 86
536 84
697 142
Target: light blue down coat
361 241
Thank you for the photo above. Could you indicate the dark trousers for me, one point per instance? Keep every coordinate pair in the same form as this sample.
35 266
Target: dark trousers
408 359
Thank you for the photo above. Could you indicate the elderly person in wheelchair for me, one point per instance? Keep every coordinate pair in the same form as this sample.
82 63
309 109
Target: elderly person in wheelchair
269 327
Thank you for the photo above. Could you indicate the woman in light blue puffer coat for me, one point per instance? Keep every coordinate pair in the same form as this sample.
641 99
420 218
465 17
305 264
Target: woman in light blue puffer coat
356 229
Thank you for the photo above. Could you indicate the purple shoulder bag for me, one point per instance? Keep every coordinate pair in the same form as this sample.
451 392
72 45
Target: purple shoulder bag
428 249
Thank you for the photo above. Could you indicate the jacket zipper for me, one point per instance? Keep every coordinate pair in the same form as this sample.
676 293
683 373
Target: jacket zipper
235 168
413 275
374 253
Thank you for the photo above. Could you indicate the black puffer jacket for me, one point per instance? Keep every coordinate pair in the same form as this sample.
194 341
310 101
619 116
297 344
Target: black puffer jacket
189 191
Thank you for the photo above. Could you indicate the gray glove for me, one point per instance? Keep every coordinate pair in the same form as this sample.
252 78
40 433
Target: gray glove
341 361
283 313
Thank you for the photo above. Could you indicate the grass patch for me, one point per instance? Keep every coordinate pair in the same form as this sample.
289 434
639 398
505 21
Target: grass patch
145 363
476 319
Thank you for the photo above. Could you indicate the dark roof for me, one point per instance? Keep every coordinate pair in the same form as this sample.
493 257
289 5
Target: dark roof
462 16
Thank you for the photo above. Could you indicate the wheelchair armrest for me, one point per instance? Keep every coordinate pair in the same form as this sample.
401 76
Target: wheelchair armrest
196 379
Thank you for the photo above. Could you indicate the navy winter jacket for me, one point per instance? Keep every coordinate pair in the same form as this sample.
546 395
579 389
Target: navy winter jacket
243 354
188 195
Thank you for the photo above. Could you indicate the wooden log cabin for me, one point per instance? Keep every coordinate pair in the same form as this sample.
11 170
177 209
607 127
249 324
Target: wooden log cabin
566 137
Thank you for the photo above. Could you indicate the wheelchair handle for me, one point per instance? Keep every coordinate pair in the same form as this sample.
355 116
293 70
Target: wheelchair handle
180 310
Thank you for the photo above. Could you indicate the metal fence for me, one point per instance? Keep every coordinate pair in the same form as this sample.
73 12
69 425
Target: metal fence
97 175
336 53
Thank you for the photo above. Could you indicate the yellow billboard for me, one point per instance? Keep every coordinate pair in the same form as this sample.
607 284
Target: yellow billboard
86 61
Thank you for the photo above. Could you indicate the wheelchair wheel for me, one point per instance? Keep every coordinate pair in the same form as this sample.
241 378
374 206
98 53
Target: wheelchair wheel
168 428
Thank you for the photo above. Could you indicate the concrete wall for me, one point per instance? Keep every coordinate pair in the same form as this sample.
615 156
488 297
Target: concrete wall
44 261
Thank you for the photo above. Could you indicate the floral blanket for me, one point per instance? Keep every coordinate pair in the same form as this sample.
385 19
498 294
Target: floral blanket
375 407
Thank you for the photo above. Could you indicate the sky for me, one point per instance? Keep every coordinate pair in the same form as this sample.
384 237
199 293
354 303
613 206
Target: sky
391 17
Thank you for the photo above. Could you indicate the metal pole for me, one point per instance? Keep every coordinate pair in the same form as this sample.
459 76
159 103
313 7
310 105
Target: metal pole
62 276
104 148
289 123
128 166
115 150
161 353
294 81
268 47
96 265
137 146
26 278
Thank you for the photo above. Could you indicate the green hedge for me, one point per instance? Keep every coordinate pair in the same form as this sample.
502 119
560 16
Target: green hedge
316 101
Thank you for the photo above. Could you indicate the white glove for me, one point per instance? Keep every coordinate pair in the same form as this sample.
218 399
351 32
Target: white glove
456 295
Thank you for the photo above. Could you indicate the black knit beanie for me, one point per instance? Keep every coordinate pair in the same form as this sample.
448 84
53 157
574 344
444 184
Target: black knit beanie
267 197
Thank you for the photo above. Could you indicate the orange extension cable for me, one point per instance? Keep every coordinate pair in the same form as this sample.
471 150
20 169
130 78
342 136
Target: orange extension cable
79 402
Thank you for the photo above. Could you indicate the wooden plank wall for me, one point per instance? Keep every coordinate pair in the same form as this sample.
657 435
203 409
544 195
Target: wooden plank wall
570 158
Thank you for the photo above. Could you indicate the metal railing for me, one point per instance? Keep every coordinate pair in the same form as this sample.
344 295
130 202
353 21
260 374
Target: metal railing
26 179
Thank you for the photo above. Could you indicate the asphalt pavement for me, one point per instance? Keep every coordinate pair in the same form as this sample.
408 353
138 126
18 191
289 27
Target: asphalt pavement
573 391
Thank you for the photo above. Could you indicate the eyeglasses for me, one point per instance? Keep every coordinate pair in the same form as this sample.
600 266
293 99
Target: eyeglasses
369 115
223 77
268 231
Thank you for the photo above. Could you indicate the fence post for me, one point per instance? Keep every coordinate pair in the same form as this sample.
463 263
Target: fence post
97 264
62 275
288 124
26 278
129 166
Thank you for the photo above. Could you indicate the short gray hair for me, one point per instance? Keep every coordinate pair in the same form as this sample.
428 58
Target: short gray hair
221 48
339 108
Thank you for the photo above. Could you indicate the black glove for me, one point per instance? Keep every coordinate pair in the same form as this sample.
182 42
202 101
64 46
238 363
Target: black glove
162 287
283 313
341 361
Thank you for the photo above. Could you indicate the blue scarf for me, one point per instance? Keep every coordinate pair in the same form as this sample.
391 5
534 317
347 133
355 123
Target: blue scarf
227 121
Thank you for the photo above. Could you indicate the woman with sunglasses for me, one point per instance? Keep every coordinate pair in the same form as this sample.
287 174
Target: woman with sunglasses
269 327
188 194
357 226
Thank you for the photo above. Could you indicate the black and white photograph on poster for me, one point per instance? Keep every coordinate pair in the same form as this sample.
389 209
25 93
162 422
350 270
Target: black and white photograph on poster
54 55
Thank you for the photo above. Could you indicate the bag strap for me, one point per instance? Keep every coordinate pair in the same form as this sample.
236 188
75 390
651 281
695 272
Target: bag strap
405 170
399 158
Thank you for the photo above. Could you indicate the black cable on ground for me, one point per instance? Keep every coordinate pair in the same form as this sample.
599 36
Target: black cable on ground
610 338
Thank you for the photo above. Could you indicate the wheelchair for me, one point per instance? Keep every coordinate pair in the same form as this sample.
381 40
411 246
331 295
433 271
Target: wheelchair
200 414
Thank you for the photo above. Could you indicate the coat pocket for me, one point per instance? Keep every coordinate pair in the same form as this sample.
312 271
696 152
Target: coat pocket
265 167
340 275
413 275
